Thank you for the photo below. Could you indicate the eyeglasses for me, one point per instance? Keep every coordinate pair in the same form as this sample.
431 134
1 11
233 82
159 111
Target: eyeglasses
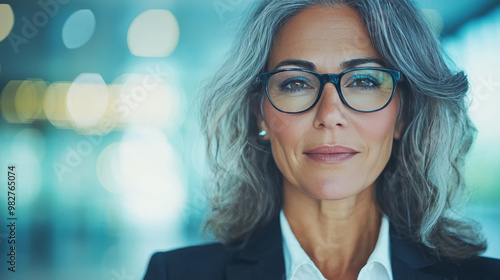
365 89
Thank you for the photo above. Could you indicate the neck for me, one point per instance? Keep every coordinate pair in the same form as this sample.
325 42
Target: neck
338 235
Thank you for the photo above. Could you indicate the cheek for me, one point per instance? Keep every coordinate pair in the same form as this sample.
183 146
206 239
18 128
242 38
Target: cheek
280 125
378 133
378 129
285 133
381 125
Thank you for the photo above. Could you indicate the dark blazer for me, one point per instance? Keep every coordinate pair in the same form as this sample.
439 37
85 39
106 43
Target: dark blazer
262 259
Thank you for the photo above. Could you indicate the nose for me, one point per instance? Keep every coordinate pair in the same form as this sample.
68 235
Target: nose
330 110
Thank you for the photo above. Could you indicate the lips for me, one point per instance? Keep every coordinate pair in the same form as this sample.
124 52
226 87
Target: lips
331 154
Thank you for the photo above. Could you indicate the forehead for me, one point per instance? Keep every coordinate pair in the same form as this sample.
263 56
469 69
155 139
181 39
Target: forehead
322 35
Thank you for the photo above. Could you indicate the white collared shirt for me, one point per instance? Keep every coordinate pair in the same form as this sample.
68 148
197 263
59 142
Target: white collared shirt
298 265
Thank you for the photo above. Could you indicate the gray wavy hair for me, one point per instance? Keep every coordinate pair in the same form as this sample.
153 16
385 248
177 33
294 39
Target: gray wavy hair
422 182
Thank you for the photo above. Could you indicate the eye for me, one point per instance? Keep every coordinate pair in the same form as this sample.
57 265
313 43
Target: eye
363 81
295 84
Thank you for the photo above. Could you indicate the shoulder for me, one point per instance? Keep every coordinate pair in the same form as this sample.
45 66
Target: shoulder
205 261
258 257
479 268
409 260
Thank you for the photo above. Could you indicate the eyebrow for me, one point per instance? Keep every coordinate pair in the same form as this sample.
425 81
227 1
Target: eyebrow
297 62
359 61
348 64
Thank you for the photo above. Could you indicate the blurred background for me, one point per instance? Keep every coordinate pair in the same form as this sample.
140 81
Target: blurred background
99 115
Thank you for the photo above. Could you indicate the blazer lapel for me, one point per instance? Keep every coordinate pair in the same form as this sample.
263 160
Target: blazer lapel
261 257
408 261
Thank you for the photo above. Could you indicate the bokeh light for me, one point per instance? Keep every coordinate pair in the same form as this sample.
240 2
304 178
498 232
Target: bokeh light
87 100
55 104
8 101
144 99
22 101
6 20
108 168
153 33
26 101
29 100
146 171
152 177
78 29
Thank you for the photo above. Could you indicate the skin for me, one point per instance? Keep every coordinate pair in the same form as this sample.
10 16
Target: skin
331 208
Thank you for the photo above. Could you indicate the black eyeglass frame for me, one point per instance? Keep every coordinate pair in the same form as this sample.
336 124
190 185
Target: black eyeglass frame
334 79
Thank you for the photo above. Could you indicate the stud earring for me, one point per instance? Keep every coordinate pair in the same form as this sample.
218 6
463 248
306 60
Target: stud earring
263 133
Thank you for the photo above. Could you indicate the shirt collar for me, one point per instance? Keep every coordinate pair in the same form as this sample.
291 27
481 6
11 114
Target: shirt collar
295 256
381 253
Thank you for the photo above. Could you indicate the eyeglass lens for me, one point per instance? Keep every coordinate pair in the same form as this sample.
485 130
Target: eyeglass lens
363 90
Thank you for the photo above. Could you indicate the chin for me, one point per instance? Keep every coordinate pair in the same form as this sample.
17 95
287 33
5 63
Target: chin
334 192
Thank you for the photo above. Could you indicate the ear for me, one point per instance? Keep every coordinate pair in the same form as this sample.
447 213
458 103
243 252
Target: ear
261 122
262 125
398 129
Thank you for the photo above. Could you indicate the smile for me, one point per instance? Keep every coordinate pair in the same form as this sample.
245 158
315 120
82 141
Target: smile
331 154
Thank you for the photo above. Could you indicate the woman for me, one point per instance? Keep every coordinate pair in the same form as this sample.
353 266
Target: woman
337 135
